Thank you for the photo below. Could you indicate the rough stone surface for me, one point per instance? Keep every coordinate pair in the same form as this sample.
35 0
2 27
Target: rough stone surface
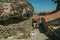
15 9
17 30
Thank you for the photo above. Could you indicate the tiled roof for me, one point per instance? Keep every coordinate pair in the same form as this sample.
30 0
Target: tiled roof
51 16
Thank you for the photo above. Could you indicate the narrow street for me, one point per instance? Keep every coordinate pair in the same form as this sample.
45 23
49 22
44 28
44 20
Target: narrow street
39 36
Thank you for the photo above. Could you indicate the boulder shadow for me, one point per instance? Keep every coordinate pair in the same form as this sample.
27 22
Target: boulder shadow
11 21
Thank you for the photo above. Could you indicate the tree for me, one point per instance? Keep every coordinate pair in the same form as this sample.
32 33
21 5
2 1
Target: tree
58 4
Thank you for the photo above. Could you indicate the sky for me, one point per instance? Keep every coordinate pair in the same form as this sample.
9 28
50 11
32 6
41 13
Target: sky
43 5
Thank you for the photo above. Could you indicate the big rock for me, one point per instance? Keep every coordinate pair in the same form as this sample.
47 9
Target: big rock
15 9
